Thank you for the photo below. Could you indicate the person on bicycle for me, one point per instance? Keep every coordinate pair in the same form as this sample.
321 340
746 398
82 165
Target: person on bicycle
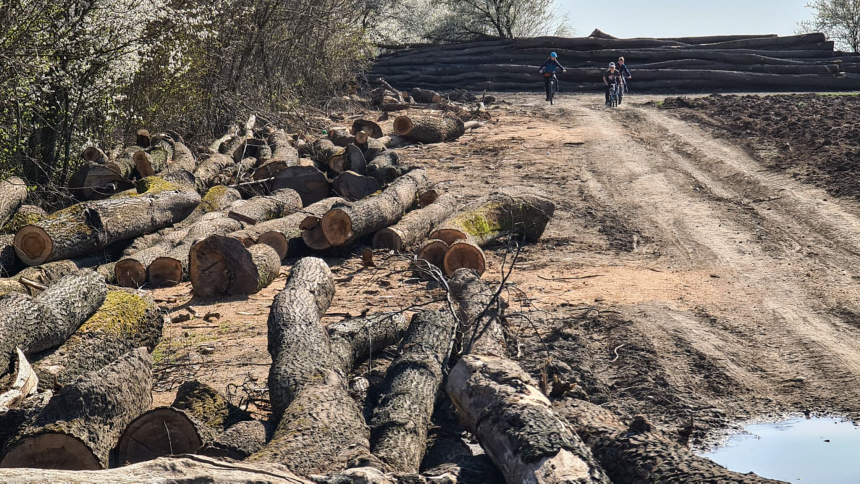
548 69
623 70
610 77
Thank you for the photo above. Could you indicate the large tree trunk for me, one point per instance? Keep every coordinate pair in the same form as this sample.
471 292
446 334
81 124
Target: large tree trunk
310 183
13 192
239 441
279 204
182 159
93 181
207 171
342 225
352 186
37 324
509 212
357 339
85 228
283 156
26 215
171 267
223 265
125 321
415 225
180 468
400 422
10 264
429 129
284 234
320 427
81 424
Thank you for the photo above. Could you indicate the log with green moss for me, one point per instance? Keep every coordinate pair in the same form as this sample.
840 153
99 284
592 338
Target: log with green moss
35 324
279 203
320 427
344 224
26 215
217 198
171 266
429 129
126 320
518 212
284 155
416 225
80 425
220 265
88 227
13 192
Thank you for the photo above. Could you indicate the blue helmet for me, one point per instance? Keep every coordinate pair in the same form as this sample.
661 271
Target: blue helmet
553 54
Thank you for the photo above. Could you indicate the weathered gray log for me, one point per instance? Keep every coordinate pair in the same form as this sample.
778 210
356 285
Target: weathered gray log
353 160
324 150
429 129
37 324
124 163
80 425
223 265
171 266
209 169
26 215
182 159
372 147
208 406
353 186
20 383
284 234
88 227
412 383
384 167
51 272
279 204
239 441
10 264
515 423
13 192
640 453
217 198
357 339
310 183
425 96
154 159
283 156
320 427
342 225
416 225
479 311
94 181
179 468
125 321
161 432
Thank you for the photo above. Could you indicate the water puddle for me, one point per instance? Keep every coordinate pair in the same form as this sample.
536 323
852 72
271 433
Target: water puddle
800 450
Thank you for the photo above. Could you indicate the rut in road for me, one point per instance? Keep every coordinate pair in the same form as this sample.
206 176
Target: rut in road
779 329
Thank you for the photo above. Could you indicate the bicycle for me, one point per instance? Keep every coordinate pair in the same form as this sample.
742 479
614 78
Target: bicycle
553 86
615 94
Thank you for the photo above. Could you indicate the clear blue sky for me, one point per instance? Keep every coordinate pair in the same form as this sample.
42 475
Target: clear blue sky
675 18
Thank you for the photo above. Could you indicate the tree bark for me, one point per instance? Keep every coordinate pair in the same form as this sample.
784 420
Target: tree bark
183 159
320 427
51 272
416 225
342 225
384 167
352 186
80 425
21 386
13 192
239 441
310 183
171 266
217 199
87 227
37 324
412 383
124 163
357 339
428 129
125 321
279 204
10 264
208 406
284 234
340 137
479 312
26 215
283 156
153 160
425 96
93 181
222 265
208 170
161 432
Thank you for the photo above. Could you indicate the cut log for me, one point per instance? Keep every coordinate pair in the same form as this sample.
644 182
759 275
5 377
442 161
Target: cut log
384 167
46 321
125 321
10 264
208 406
284 234
429 129
370 127
428 197
47 274
324 150
464 254
239 441
430 254
372 147
340 137
80 425
416 225
361 138
352 186
94 155
171 266
412 383
217 199
279 204
13 192
208 170
93 181
155 159
358 339
354 161
143 138
515 423
131 271
425 96
223 265
320 427
23 383
88 227
26 215
182 159
161 432
479 311
283 156
342 225
310 183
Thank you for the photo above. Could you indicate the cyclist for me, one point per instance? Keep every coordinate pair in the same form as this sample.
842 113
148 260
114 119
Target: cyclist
548 69
610 77
623 70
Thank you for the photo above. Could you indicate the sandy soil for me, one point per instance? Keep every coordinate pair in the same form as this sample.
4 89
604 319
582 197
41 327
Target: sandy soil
681 278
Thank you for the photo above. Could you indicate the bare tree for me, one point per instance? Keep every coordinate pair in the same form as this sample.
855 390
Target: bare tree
839 19
473 19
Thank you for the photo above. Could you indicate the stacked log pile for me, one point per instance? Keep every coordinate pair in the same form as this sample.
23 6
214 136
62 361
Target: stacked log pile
799 62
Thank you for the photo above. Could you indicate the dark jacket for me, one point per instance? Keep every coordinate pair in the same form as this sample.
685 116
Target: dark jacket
551 65
611 77
624 70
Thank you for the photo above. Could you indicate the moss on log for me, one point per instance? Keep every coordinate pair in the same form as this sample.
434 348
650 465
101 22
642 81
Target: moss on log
26 215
